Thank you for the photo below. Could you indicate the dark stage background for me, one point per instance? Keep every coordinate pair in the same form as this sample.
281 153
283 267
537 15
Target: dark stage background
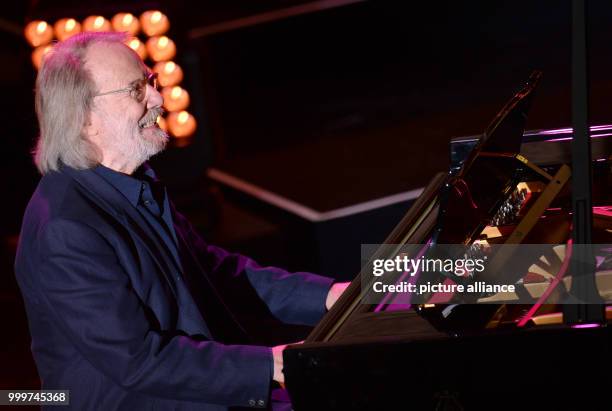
328 109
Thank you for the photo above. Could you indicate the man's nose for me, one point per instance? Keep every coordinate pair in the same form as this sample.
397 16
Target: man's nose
154 98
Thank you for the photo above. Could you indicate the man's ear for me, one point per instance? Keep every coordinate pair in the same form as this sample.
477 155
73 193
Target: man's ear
91 129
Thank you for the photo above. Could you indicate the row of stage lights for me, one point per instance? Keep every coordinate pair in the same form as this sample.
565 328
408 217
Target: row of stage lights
157 48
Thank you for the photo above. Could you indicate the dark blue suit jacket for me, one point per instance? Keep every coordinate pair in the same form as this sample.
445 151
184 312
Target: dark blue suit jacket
112 319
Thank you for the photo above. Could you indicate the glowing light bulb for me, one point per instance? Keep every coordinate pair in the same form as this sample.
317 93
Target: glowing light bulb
39 53
135 44
154 23
169 67
168 73
161 122
126 22
181 124
176 92
175 98
96 23
161 48
66 28
38 33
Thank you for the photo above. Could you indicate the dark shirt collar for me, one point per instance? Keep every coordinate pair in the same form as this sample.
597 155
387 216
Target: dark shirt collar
128 185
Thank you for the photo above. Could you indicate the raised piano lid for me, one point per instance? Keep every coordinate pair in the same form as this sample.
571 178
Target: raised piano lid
476 189
504 133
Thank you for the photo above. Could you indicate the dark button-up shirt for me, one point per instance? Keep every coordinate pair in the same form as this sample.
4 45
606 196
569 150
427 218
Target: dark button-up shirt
149 196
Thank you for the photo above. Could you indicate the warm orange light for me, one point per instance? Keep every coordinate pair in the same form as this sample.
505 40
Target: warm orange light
161 122
168 73
175 98
38 33
135 44
154 23
39 53
65 28
181 124
96 23
126 22
161 48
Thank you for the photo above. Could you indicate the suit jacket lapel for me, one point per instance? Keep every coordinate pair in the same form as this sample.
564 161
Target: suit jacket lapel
107 197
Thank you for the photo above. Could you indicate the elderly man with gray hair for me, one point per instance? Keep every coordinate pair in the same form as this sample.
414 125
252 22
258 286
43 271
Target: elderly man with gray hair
128 307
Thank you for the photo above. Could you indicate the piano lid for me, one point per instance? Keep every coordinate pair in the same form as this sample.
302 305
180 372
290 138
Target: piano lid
505 133
471 195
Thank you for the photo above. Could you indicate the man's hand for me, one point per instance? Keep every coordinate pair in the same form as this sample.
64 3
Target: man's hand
334 293
277 353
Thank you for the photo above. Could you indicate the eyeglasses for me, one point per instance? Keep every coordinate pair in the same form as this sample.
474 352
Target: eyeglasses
138 88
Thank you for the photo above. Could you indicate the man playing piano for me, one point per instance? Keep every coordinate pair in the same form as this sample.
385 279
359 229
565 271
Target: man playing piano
128 307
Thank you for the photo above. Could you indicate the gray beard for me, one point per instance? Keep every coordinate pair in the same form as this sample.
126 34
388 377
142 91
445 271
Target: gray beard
146 148
139 149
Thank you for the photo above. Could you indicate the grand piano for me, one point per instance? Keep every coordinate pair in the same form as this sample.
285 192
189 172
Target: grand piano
449 351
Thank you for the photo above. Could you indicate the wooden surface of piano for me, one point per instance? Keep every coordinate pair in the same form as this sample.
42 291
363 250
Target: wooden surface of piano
504 187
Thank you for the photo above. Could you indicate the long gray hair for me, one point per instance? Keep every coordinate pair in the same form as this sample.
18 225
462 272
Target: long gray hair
64 97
